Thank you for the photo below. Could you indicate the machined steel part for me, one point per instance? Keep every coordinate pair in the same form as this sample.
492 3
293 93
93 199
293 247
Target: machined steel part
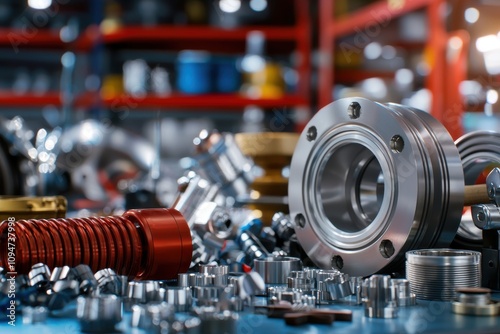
34 315
278 294
275 270
99 314
447 269
475 301
180 297
480 152
370 181
380 297
133 244
403 292
221 161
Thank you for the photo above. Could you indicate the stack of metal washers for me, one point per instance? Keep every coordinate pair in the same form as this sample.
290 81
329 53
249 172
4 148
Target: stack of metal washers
434 274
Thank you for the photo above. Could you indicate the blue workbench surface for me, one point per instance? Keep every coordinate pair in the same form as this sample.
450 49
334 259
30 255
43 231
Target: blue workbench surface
426 317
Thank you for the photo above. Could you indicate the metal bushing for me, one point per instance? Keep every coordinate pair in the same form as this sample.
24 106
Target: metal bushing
194 190
379 297
370 181
403 292
275 270
99 314
39 275
475 301
221 161
434 274
180 297
480 152
143 292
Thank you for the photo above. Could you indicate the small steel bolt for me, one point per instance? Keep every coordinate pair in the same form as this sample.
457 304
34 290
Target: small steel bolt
312 133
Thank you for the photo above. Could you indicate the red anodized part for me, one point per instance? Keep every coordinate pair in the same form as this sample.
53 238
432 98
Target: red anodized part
141 244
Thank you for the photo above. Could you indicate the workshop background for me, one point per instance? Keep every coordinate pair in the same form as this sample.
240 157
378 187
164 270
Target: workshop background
112 105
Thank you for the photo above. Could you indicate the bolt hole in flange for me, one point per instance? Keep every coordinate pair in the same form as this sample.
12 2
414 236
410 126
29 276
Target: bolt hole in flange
370 191
337 262
300 220
312 133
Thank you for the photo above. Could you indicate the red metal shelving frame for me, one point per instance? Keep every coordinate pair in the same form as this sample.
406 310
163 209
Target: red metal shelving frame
378 13
297 34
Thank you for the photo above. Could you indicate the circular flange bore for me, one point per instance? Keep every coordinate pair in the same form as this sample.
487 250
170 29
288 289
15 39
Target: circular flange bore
370 188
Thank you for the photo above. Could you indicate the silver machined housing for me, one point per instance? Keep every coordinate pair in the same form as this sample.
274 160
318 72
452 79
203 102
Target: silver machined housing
479 151
370 181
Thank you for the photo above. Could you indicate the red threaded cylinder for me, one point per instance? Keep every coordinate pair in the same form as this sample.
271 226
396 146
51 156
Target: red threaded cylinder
141 244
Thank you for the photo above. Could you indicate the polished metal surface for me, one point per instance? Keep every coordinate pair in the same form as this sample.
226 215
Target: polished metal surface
212 218
475 301
364 190
39 275
275 270
99 314
434 274
380 297
403 292
180 297
487 216
221 161
479 152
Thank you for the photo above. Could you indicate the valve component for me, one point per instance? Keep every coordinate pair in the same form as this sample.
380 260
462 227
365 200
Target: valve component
380 297
475 301
275 270
370 181
480 153
142 244
447 269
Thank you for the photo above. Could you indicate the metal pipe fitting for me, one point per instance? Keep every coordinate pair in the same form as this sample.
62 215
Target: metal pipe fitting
275 270
349 181
447 269
380 298
475 301
403 292
99 314
479 151
214 219
134 244
221 161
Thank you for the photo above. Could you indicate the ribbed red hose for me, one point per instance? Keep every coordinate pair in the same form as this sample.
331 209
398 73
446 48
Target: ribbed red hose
141 244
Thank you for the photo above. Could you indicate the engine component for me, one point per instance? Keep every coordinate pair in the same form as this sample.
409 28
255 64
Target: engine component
134 244
99 314
221 161
180 297
272 152
486 217
348 185
275 270
283 227
194 191
479 152
447 269
210 217
380 297
475 301
32 207
403 292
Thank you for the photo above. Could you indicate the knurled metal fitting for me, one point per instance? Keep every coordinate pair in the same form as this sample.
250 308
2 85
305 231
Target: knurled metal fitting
282 226
380 297
99 314
39 275
212 218
108 282
180 297
85 276
61 273
403 292
475 301
142 292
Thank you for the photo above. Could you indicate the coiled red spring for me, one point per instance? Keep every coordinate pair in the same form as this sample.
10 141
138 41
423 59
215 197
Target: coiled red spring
141 244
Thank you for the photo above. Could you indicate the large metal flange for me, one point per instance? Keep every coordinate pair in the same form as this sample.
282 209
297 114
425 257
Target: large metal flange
370 181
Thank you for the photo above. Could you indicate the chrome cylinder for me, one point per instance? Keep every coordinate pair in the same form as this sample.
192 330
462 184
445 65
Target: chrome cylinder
369 182
275 270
